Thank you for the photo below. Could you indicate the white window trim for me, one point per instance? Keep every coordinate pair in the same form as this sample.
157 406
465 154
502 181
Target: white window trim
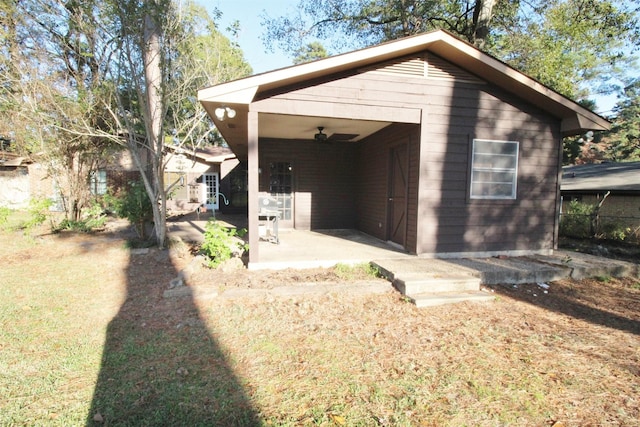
514 182
212 189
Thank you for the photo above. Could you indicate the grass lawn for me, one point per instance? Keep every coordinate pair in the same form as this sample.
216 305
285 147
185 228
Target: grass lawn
86 338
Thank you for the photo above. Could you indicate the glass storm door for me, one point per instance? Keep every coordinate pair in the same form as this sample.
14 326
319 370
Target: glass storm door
281 189
211 182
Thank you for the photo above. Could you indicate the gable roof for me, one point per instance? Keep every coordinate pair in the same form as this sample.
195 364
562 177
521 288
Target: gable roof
599 177
10 159
209 154
575 119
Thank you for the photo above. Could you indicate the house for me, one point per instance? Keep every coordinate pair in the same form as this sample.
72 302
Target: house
211 177
618 182
22 178
424 142
202 177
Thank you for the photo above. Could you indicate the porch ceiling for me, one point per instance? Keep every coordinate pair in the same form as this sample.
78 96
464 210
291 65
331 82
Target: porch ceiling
305 127
295 127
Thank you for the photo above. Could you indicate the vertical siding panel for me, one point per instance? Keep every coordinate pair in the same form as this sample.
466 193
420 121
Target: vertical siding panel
324 181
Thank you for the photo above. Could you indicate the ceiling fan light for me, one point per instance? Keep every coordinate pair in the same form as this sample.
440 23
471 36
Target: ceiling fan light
320 137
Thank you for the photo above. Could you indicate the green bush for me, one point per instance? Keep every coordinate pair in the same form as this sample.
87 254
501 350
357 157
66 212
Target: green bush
220 242
134 205
577 220
94 218
38 212
614 231
582 220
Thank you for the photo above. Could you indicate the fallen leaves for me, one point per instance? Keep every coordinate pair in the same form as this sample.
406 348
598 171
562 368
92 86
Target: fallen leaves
338 419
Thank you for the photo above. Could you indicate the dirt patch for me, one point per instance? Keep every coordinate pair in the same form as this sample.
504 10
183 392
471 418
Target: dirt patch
605 248
269 279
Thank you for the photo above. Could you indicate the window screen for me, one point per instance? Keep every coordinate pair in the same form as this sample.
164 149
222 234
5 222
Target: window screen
494 169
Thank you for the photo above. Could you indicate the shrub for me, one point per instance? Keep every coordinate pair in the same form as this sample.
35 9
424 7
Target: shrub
134 205
38 212
582 220
615 231
94 218
221 242
577 220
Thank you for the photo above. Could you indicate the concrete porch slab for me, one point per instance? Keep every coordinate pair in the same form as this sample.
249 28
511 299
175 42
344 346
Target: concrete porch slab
324 248
514 270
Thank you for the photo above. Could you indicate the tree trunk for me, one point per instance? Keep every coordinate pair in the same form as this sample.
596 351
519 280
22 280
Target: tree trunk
482 15
154 106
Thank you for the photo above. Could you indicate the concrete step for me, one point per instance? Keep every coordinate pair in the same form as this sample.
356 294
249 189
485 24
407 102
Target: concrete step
419 284
435 299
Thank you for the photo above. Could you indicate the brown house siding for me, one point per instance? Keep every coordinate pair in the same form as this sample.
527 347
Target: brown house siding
323 178
442 218
454 223
373 181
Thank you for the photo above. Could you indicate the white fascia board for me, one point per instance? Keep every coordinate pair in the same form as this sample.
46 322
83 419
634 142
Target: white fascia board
228 93
219 159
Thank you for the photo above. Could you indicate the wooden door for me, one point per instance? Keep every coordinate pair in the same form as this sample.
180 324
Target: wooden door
397 197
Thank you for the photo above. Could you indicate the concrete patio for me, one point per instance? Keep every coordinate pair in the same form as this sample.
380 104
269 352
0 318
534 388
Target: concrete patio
325 248
297 248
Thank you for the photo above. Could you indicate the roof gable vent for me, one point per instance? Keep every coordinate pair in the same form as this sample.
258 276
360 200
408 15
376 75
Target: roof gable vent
438 68
403 66
424 66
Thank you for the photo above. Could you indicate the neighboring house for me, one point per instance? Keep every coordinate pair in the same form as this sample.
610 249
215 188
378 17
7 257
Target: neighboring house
21 179
425 142
589 183
211 177
203 177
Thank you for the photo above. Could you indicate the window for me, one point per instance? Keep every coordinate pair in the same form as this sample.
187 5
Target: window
99 182
494 169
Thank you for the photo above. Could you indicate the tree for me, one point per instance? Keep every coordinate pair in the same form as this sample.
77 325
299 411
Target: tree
92 75
358 23
310 52
202 57
624 137
163 60
576 47
52 85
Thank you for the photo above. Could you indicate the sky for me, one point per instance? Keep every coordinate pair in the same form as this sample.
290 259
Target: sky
248 13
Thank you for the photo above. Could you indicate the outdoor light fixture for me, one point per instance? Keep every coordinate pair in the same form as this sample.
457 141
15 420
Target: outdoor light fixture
221 112
320 137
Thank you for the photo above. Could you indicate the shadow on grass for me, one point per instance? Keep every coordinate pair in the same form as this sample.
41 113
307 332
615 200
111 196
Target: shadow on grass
595 302
160 364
